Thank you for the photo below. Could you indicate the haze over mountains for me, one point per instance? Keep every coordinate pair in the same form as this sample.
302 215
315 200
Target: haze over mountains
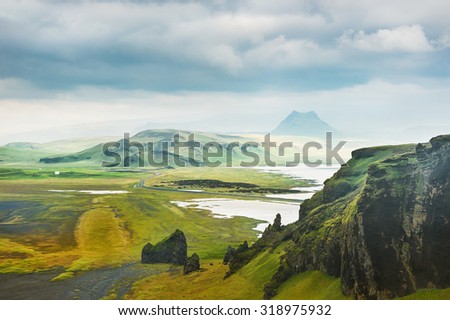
303 124
298 127
297 123
306 124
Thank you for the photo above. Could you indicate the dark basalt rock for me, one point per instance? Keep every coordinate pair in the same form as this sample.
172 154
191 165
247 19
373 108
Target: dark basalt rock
232 253
173 250
192 264
277 223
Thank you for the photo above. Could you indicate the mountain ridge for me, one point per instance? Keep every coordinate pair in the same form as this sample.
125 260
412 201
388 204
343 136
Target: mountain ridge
157 137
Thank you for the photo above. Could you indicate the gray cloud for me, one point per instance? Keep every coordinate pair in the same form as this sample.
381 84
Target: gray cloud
209 45
378 106
222 62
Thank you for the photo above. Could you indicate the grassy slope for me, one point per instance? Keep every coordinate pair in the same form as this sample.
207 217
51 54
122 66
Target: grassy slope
208 284
101 237
311 285
323 216
315 285
247 283
13 156
432 294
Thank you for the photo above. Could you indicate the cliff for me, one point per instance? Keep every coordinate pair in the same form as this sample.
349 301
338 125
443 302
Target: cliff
381 224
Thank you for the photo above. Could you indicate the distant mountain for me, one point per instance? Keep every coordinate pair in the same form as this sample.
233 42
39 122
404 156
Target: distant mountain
303 124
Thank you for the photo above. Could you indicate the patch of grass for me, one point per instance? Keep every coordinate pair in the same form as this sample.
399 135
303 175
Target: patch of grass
10 249
19 258
311 285
150 216
227 175
204 285
429 294
260 270
63 276
11 155
101 238
65 173
248 283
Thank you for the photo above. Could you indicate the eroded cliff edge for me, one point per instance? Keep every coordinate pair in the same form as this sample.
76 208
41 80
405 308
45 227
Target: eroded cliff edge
381 224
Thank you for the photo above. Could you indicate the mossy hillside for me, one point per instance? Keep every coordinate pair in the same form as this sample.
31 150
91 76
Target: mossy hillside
379 198
209 283
15 156
247 283
311 285
330 211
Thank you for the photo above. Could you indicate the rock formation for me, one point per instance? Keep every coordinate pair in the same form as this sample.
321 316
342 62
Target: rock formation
192 264
231 253
173 250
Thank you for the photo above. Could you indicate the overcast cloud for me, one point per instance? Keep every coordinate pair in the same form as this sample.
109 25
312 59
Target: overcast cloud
68 62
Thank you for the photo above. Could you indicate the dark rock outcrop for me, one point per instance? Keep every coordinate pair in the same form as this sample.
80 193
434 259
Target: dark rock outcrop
236 258
229 255
173 250
277 223
273 236
232 253
192 264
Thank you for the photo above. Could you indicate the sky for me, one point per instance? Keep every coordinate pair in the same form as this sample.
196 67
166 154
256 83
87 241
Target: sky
379 67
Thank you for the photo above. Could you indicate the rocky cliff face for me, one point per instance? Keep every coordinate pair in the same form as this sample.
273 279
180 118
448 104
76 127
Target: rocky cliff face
381 224
173 250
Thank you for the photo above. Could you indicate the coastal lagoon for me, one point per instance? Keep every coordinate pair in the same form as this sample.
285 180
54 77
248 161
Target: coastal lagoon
276 203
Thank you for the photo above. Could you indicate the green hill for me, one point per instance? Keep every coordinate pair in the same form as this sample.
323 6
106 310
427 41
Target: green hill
157 144
65 151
